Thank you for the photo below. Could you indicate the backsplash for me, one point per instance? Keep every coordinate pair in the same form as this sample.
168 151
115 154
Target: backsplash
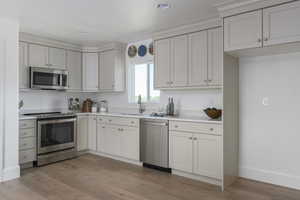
35 101
187 102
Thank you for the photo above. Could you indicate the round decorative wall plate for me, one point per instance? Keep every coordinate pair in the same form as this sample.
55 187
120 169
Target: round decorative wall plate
142 51
132 50
151 48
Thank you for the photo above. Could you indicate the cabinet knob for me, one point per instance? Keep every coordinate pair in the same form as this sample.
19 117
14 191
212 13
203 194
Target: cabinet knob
132 122
266 39
109 120
103 126
211 129
194 138
259 40
171 82
191 138
176 126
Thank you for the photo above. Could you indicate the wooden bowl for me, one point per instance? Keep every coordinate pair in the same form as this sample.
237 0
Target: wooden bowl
213 113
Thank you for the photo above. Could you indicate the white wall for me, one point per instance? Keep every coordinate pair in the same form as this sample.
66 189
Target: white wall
269 135
9 126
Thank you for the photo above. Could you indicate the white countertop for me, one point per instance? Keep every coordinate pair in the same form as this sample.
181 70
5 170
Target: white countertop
170 118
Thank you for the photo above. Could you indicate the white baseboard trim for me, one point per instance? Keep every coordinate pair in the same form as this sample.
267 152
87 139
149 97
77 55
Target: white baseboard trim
197 177
11 173
275 178
135 162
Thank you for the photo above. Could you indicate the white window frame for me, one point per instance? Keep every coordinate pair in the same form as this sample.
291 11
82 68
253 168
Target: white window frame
131 82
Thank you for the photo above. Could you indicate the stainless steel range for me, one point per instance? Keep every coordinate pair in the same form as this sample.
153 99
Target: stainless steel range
56 137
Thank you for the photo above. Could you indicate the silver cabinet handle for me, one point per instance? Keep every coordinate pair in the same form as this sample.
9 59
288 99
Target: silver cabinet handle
171 82
266 39
259 40
176 126
191 138
211 129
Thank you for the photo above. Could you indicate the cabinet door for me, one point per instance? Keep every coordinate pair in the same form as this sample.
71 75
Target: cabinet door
162 63
23 65
57 58
82 133
282 24
179 61
112 137
92 133
243 31
74 66
208 155
198 59
90 71
101 129
181 151
106 70
38 56
215 53
130 143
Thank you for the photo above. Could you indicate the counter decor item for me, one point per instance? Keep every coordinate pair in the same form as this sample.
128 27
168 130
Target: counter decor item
142 51
87 105
213 113
170 107
103 106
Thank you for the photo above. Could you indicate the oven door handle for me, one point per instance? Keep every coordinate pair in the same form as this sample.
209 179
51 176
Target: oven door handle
57 121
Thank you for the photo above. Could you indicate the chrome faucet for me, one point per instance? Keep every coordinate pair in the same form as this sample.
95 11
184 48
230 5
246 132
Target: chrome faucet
139 102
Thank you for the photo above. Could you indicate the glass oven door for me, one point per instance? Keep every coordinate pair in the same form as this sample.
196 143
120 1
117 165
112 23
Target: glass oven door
56 135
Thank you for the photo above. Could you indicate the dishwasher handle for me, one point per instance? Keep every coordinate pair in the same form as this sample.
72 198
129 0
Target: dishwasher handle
156 123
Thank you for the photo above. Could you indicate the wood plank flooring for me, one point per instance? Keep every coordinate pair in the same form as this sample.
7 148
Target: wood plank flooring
91 177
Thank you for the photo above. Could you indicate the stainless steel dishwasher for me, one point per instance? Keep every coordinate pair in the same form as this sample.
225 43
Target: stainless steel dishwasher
155 143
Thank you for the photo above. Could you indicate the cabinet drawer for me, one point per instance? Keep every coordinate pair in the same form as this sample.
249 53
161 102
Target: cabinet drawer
27 132
27 124
27 143
215 129
119 121
27 156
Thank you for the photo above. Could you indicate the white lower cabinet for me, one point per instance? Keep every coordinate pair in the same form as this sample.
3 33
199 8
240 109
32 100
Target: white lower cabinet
181 151
130 139
82 132
118 140
27 141
207 155
92 133
198 153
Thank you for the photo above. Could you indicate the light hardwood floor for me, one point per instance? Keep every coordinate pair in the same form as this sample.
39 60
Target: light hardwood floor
91 177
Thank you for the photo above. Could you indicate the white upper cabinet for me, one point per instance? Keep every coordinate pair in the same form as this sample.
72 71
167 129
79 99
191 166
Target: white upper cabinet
23 66
243 31
57 58
74 67
111 71
189 60
281 24
90 72
179 61
42 56
198 55
207 155
215 57
162 63
38 56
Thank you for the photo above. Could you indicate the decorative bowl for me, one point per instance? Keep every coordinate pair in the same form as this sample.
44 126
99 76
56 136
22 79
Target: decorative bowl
213 113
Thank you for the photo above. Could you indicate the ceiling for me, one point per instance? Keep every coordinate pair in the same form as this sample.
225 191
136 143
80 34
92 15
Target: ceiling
93 22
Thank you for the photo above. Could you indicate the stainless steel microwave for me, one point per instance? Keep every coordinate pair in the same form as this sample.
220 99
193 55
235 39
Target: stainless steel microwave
48 79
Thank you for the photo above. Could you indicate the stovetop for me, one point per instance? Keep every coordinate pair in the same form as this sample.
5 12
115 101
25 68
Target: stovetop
46 115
